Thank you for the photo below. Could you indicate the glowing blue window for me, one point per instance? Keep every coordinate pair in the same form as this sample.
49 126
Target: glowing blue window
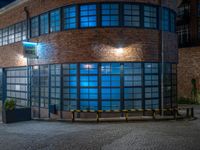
151 68
34 27
70 17
173 22
150 17
88 81
89 68
151 80
132 15
88 16
165 19
44 23
110 68
55 24
110 14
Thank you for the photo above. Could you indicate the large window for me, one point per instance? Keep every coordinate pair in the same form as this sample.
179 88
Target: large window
24 30
17 85
89 86
34 27
44 23
150 17
165 19
173 22
55 90
55 24
11 34
133 85
18 32
70 89
183 34
132 15
70 17
88 16
110 83
151 82
5 36
110 14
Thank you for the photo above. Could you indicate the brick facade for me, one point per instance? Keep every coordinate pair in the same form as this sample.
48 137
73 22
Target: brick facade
83 45
188 69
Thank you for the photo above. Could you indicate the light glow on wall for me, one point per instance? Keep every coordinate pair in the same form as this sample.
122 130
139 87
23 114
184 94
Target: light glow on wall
119 51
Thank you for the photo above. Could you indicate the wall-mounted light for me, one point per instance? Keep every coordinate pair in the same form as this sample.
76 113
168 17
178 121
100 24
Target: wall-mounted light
119 51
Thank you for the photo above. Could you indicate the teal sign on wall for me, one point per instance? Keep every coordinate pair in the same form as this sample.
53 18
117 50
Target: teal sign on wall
30 49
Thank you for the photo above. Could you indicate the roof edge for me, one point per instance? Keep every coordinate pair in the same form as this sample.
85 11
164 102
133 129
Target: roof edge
12 5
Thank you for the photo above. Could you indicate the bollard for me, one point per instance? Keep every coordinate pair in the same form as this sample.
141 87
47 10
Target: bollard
154 114
192 112
73 116
187 112
97 116
175 113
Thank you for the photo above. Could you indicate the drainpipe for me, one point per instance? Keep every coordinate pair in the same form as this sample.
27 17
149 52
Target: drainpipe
27 39
162 61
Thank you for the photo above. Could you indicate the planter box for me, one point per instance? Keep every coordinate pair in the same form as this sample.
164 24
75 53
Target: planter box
19 114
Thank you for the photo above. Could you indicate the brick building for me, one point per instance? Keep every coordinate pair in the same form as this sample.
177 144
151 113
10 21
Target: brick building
91 55
188 29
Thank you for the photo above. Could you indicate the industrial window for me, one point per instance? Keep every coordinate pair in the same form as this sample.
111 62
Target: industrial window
11 36
173 22
55 24
34 27
133 85
165 19
18 32
150 17
35 86
132 15
183 34
5 36
1 37
70 17
88 16
17 83
70 89
110 14
44 23
151 80
89 86
110 83
24 30
55 89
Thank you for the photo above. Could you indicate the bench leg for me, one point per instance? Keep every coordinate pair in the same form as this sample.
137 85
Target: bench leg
126 116
175 114
97 116
187 112
73 116
192 112
154 114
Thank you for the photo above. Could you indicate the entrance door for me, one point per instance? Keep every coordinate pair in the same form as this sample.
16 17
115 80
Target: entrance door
40 91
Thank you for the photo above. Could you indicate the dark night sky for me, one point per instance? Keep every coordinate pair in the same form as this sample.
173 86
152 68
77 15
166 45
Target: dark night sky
5 2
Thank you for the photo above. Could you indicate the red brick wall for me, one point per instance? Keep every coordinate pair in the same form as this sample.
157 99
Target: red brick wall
86 45
188 69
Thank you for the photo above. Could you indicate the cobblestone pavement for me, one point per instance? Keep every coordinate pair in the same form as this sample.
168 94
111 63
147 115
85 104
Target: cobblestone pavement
161 135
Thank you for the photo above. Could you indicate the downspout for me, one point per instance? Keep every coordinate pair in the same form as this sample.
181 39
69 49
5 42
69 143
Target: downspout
27 39
162 59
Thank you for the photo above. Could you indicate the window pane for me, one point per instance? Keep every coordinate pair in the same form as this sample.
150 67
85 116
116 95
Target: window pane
132 15
55 20
150 17
70 17
44 24
34 27
88 16
110 14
